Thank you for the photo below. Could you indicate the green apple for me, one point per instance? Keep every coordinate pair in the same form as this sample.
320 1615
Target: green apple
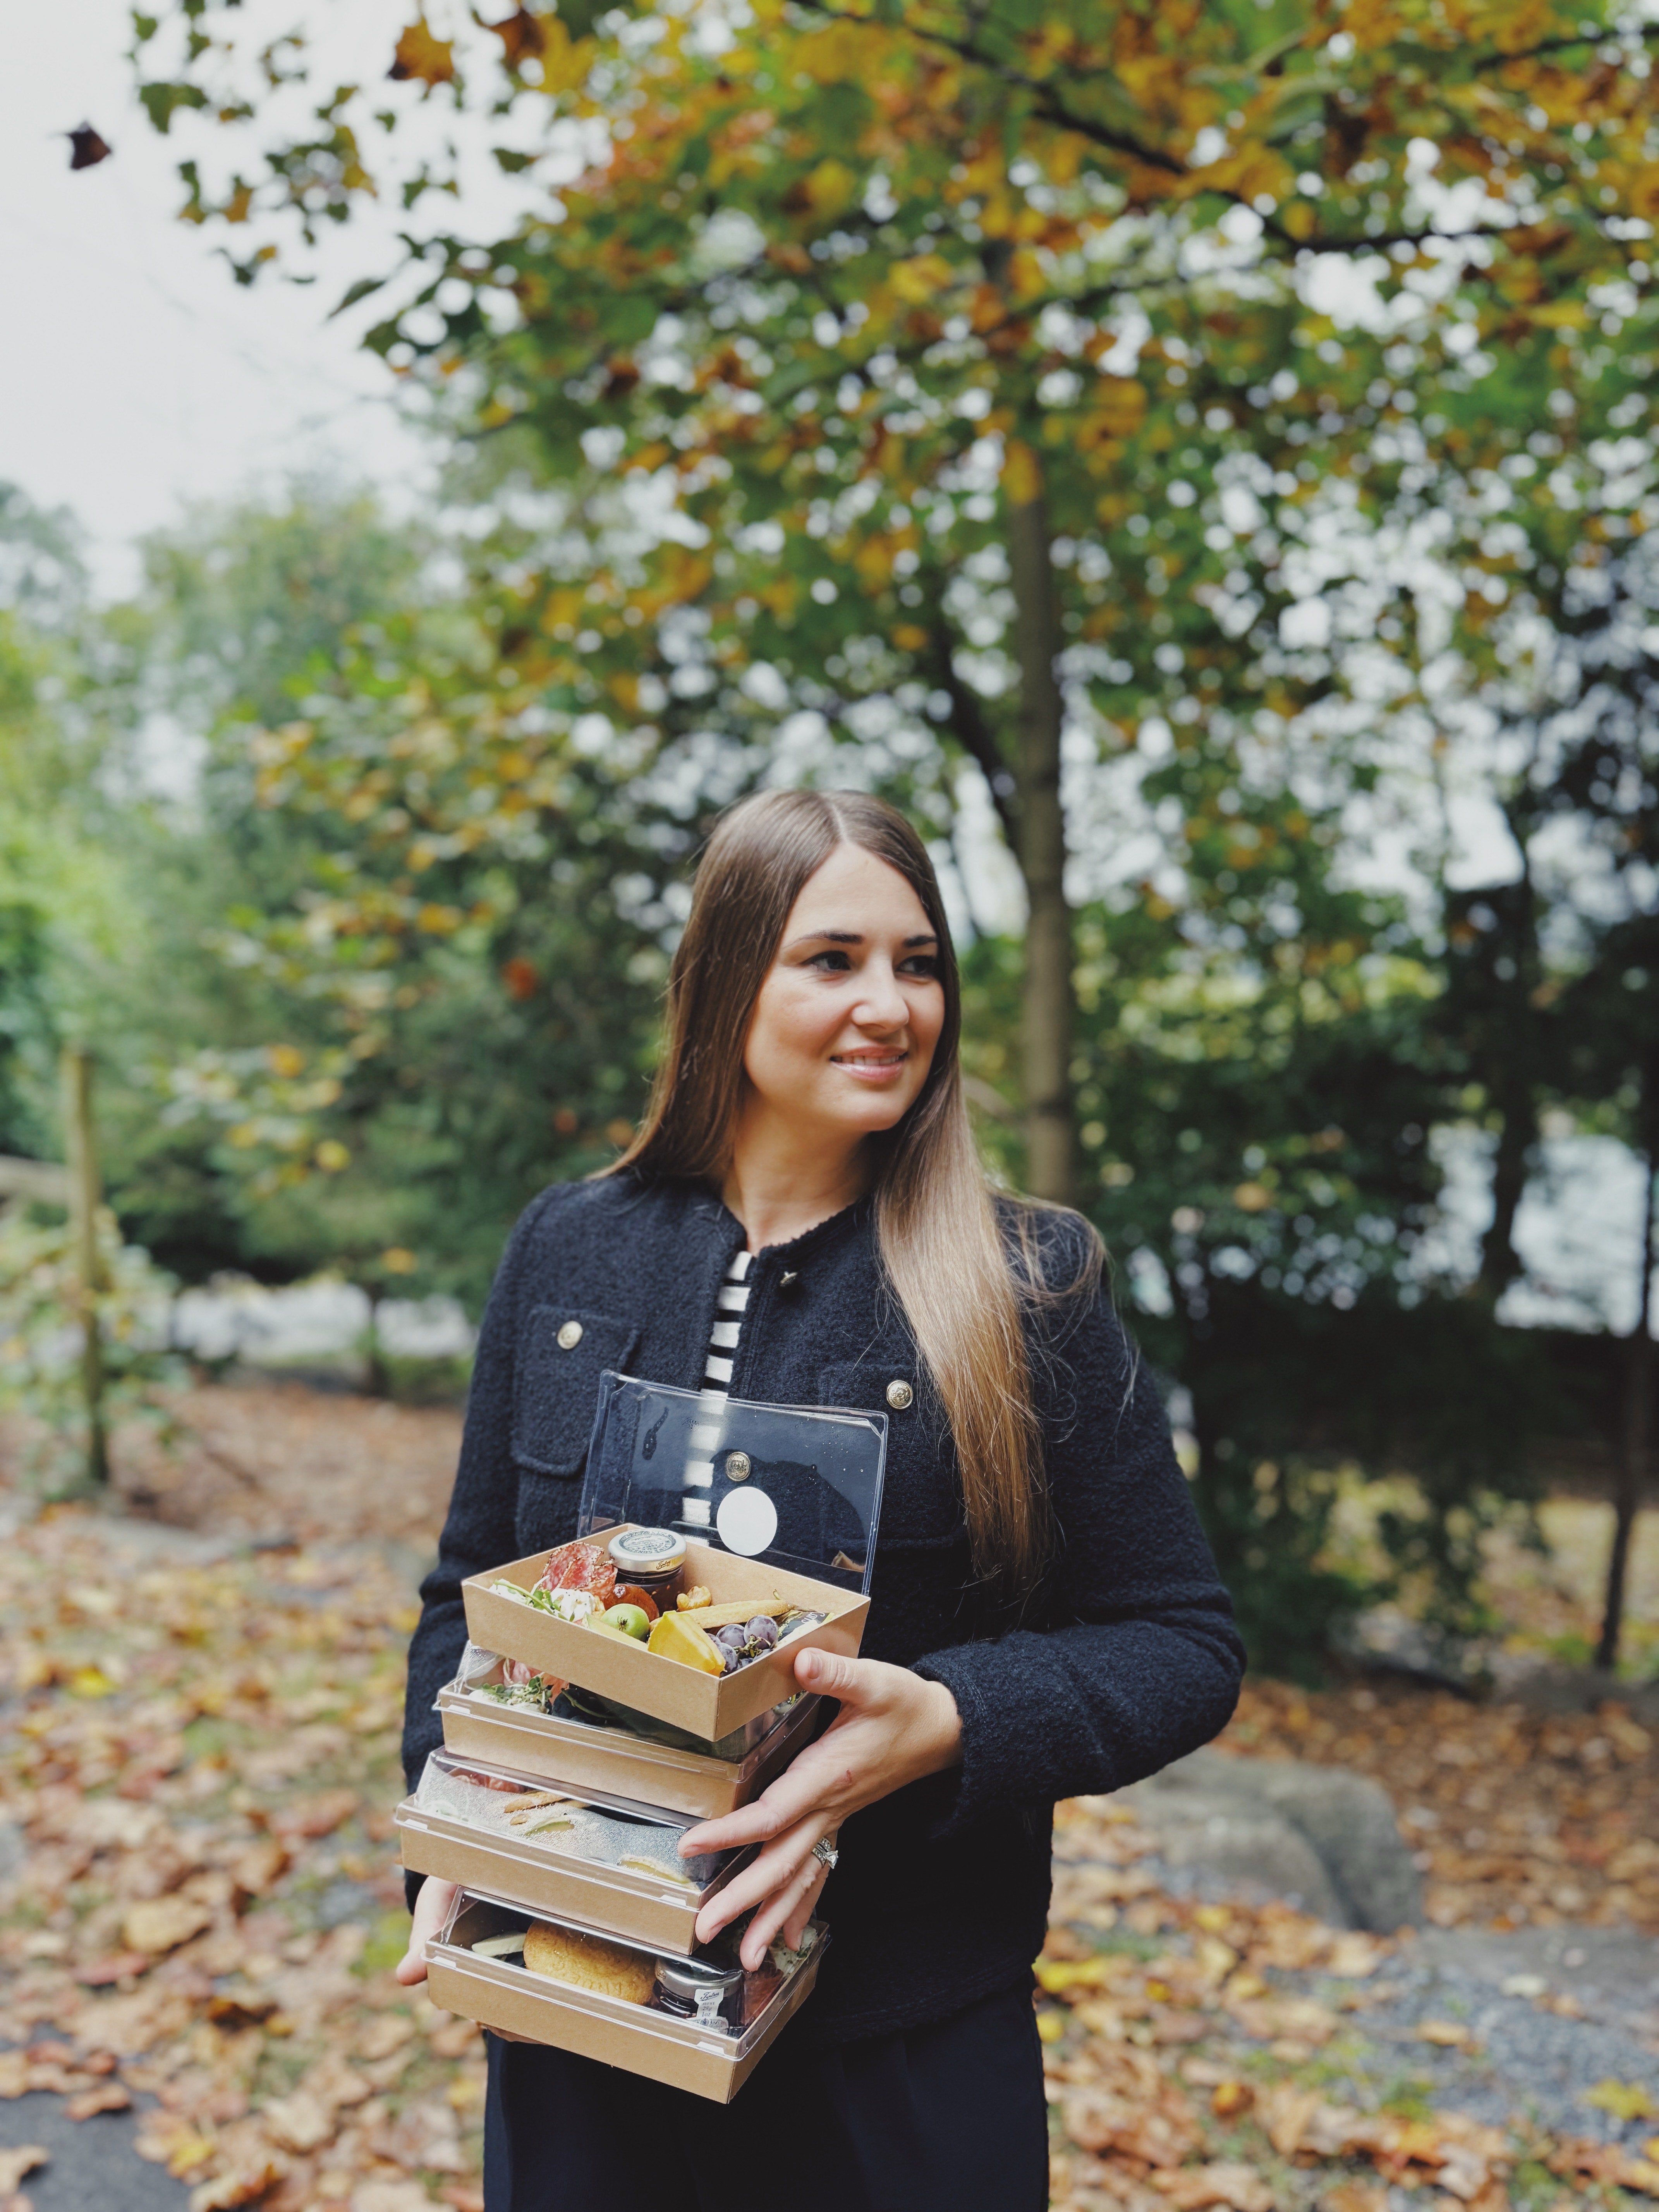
631 1619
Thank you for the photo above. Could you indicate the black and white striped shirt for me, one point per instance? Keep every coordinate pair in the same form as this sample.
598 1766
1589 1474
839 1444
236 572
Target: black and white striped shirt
729 1308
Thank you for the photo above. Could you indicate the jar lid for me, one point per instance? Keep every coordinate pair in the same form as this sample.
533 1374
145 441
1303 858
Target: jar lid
648 1551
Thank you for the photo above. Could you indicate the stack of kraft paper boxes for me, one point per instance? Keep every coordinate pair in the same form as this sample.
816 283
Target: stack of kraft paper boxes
558 1808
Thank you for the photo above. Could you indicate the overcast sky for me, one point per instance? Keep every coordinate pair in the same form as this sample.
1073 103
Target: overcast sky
136 373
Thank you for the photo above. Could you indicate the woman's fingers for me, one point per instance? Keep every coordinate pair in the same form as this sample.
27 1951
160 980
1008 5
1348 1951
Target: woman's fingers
794 1928
813 1784
431 1910
793 1898
776 1867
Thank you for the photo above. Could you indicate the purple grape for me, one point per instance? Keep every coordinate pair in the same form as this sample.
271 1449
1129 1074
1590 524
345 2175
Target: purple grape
732 1636
761 1632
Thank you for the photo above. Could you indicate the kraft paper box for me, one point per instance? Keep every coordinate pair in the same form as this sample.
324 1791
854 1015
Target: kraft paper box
610 1865
687 2054
654 1764
772 1502
708 1707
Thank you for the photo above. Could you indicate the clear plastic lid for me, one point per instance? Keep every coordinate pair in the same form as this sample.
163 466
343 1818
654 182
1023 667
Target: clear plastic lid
797 1486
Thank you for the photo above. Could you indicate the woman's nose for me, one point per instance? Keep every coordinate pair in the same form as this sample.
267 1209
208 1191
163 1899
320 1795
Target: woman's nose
884 1004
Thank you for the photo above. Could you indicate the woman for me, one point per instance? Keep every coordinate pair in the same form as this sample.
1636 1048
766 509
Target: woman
1045 1617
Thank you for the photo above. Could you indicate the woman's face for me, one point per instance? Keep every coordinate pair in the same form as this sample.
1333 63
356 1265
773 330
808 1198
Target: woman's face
846 1020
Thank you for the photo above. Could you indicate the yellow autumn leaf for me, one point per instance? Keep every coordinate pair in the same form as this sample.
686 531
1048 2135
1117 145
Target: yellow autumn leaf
1372 23
831 187
1022 473
565 61
920 280
909 637
331 1155
421 55
89 1682
1625 2100
845 53
397 1260
284 1059
1057 1974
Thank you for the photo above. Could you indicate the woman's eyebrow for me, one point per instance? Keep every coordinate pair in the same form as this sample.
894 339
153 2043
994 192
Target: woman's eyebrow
851 937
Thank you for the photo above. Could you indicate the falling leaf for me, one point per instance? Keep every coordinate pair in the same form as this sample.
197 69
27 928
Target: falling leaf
421 55
86 149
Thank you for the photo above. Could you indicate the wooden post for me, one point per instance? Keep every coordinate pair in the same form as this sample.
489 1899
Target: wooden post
83 1202
1633 1439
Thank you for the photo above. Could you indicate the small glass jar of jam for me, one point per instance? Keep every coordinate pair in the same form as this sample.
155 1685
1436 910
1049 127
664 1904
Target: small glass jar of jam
711 1995
651 1559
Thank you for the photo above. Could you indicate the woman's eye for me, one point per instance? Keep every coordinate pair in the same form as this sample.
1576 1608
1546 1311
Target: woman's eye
924 965
831 963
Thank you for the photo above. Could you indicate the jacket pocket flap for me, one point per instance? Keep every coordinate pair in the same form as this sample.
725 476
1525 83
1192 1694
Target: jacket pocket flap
920 1500
562 1351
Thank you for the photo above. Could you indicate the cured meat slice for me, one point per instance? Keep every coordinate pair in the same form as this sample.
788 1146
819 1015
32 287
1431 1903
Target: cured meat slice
580 1567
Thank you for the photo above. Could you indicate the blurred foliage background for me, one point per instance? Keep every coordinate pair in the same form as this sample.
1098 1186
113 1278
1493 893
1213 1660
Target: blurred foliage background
1199 459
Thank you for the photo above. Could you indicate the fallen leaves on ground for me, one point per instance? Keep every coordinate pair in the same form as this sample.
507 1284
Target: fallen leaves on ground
275 1460
1138 1989
202 1760
1520 1819
14 2164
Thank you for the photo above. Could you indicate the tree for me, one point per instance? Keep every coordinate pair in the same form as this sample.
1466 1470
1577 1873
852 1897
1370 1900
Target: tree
873 292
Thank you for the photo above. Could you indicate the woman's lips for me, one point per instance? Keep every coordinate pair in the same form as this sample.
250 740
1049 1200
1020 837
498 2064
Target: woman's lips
872 1067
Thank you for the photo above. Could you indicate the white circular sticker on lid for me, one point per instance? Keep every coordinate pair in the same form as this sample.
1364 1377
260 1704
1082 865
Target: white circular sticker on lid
747 1521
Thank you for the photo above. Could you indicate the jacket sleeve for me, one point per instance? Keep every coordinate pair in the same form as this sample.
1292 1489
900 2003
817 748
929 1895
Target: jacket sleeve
1138 1662
479 1531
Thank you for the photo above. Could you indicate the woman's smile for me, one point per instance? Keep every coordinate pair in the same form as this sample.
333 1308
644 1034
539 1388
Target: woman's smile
872 1066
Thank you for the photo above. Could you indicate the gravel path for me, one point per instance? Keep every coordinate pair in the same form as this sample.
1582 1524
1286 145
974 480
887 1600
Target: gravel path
94 2168
1525 2059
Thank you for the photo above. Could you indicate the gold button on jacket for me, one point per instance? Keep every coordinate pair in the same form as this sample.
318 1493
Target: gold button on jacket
570 1336
899 1396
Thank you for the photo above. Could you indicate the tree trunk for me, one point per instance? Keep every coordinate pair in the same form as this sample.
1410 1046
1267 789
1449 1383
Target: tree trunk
1500 1263
84 1198
1633 1440
1048 1025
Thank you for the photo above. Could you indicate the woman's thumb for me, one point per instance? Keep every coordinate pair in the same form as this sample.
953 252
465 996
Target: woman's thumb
831 1675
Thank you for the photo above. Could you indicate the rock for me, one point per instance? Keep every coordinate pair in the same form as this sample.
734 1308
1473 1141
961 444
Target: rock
1244 1844
1326 1839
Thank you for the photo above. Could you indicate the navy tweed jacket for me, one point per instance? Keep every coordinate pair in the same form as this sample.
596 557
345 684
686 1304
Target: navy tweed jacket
1128 1659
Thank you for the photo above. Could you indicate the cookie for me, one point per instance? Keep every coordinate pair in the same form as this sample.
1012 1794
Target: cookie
586 1962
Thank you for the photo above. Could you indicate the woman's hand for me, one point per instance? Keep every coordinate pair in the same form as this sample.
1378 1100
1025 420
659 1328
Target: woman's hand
893 1727
432 1903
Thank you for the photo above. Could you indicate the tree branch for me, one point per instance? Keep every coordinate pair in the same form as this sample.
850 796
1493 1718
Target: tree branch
970 727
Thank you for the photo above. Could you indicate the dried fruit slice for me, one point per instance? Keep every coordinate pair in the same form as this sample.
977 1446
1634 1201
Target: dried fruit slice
674 1636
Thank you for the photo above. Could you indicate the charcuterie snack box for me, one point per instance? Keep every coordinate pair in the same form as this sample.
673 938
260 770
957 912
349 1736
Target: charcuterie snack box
603 1861
690 1692
566 1735
696 2024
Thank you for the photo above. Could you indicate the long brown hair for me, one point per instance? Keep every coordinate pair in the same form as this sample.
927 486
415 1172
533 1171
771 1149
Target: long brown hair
961 1287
